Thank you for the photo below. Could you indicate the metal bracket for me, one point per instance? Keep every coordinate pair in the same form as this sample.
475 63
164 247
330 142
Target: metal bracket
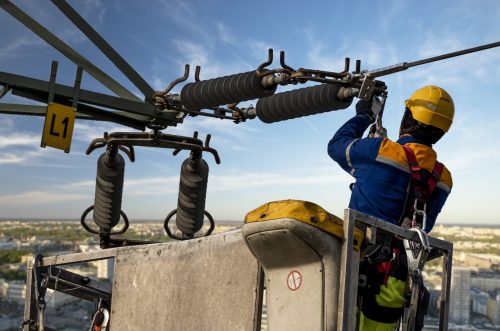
52 88
366 90
76 88
52 81
156 139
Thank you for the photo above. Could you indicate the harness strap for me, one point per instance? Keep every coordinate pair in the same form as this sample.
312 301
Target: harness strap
413 163
428 187
435 177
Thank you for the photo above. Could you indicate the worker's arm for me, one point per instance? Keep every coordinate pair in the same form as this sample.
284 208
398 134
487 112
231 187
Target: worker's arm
436 204
348 149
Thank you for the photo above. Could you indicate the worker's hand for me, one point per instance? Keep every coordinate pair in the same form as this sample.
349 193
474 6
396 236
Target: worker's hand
364 107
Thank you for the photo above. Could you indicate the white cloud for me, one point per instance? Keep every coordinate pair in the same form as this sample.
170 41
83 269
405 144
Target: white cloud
260 48
24 149
6 123
75 185
93 9
87 132
18 44
8 158
19 147
469 164
154 191
455 72
311 126
159 84
434 45
322 56
183 14
193 53
225 133
238 182
253 180
389 12
38 198
202 54
225 34
16 139
158 181
152 186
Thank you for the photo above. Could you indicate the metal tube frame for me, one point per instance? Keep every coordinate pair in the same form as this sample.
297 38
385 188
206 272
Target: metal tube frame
370 224
84 288
131 113
67 51
105 48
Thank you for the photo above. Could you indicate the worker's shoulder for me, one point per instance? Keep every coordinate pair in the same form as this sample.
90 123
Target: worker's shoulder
392 153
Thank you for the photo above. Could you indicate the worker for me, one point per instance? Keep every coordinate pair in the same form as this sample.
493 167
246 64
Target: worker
392 178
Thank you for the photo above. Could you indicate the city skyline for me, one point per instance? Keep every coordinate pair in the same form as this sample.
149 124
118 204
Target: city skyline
260 162
475 301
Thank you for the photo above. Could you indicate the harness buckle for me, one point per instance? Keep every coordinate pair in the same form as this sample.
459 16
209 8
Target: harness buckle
419 212
100 316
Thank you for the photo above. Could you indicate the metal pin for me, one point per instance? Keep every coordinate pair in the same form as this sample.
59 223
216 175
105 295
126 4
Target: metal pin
52 82
347 64
76 88
197 73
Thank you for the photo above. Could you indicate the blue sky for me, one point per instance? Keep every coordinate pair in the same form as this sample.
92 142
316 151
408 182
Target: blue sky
260 162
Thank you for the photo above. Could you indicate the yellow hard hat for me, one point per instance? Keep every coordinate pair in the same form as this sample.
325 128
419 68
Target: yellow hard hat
432 105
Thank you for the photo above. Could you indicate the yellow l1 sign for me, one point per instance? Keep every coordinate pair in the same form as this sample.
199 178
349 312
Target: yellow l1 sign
58 127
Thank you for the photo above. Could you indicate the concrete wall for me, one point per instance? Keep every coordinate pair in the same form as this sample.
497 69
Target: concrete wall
210 283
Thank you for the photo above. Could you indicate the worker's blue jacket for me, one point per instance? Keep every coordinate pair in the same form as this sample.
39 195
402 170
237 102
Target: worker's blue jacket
382 172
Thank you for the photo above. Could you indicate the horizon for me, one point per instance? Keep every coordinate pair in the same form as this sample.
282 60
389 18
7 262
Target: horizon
13 219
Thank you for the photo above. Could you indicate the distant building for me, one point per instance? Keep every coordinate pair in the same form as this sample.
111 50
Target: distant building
58 299
7 244
479 302
15 291
3 288
494 307
105 268
82 269
460 296
485 261
485 280
88 245
434 302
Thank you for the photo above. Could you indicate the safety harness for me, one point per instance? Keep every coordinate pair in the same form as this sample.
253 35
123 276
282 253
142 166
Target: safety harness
422 186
